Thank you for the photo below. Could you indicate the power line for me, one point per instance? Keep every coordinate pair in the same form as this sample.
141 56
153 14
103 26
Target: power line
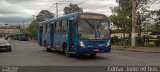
57 7
51 7
82 2
60 4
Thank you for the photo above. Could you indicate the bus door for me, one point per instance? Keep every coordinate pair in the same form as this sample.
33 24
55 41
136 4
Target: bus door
52 34
71 35
40 35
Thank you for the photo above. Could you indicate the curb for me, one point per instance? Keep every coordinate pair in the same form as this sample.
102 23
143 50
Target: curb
134 50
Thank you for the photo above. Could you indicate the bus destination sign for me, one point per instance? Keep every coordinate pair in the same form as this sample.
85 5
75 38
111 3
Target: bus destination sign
91 17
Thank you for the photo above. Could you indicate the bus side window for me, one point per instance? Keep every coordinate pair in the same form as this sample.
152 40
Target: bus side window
55 27
46 27
58 26
64 26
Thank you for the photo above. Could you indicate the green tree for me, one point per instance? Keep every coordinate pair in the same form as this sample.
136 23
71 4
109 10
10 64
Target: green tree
44 15
72 8
144 15
157 24
32 30
122 14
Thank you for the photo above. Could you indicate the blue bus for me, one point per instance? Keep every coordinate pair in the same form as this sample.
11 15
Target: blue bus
77 33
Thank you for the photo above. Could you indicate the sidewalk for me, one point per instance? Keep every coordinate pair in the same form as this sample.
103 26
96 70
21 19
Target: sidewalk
138 49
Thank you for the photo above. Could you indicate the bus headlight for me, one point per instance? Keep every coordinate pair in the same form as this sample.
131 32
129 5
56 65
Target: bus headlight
82 44
108 43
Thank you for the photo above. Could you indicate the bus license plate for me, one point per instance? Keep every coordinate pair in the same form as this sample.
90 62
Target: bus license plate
96 50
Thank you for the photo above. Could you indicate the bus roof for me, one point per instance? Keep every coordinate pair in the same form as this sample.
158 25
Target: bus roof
73 15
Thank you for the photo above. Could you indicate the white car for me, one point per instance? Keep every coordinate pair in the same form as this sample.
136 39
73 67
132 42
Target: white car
4 45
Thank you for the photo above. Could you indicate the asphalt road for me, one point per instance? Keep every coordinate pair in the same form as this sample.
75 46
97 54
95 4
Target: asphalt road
26 53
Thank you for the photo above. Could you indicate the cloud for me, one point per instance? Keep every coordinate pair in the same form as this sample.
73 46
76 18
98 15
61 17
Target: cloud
12 13
12 19
8 8
97 6
15 11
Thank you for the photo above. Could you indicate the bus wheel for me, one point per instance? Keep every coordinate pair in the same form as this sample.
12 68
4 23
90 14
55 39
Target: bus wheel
93 54
66 52
46 48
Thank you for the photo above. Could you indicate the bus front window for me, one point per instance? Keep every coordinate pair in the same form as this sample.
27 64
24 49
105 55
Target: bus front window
93 29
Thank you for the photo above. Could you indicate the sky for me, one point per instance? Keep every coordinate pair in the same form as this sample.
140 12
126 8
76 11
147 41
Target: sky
17 11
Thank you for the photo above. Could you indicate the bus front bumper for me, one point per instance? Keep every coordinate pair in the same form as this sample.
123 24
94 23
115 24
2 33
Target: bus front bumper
84 51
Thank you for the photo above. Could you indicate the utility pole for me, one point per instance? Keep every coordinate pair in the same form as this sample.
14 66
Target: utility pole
33 17
133 37
70 1
56 9
22 24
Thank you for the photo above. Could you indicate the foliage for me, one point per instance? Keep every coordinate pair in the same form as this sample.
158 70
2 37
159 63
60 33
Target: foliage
157 24
32 30
72 8
123 14
123 11
44 15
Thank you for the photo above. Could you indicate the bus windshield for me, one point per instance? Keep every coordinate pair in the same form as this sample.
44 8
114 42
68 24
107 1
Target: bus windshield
93 29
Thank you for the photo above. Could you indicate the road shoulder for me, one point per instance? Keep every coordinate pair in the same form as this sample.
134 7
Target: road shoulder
138 49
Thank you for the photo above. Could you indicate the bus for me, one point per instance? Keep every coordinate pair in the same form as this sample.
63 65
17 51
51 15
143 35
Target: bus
77 33
21 37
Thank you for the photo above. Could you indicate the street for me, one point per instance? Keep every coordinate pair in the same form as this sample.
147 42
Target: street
25 53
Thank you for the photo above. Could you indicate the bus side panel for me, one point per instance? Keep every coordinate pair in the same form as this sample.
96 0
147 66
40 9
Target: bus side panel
64 33
43 39
40 35
48 40
68 21
59 37
52 34
76 39
71 35
57 41
44 35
